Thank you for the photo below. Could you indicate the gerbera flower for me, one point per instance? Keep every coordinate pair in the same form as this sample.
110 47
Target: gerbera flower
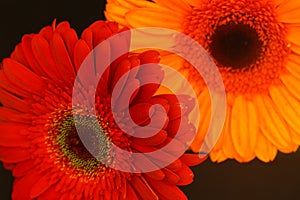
40 143
256 47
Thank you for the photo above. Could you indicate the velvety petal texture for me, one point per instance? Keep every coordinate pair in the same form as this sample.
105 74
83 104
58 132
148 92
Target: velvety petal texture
39 141
256 46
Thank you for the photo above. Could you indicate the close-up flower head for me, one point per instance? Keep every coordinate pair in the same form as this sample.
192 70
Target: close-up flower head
256 46
39 138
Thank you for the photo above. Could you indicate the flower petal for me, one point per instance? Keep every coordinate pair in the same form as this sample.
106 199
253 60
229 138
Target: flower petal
286 6
292 16
272 127
148 17
168 191
157 139
23 77
293 34
264 150
286 106
14 154
292 85
61 57
179 6
244 127
11 134
141 187
192 159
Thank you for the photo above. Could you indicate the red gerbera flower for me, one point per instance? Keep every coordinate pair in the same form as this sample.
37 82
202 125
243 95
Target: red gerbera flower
39 141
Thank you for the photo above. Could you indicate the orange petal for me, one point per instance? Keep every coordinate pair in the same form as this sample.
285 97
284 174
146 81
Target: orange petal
244 127
179 6
272 125
286 106
148 17
292 16
286 6
292 85
293 34
264 150
293 67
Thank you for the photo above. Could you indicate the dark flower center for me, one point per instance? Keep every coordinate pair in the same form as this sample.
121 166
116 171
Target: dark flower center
235 45
72 146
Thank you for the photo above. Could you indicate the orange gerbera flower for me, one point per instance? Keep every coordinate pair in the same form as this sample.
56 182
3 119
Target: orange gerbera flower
40 143
256 46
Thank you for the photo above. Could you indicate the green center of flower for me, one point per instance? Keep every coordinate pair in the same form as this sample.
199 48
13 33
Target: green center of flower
72 146
235 45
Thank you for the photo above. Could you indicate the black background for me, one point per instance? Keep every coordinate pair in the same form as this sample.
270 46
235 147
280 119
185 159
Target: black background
228 180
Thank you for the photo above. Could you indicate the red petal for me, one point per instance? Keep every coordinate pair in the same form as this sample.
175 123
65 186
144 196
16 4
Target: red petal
186 175
149 57
22 186
23 77
50 194
27 49
192 159
81 50
14 102
9 115
123 67
175 166
42 54
23 168
156 175
166 191
47 33
151 141
174 146
162 102
140 113
154 159
170 177
142 188
143 162
87 36
62 27
8 86
157 118
41 186
18 55
178 127
70 39
120 103
11 135
14 154
62 58
130 193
